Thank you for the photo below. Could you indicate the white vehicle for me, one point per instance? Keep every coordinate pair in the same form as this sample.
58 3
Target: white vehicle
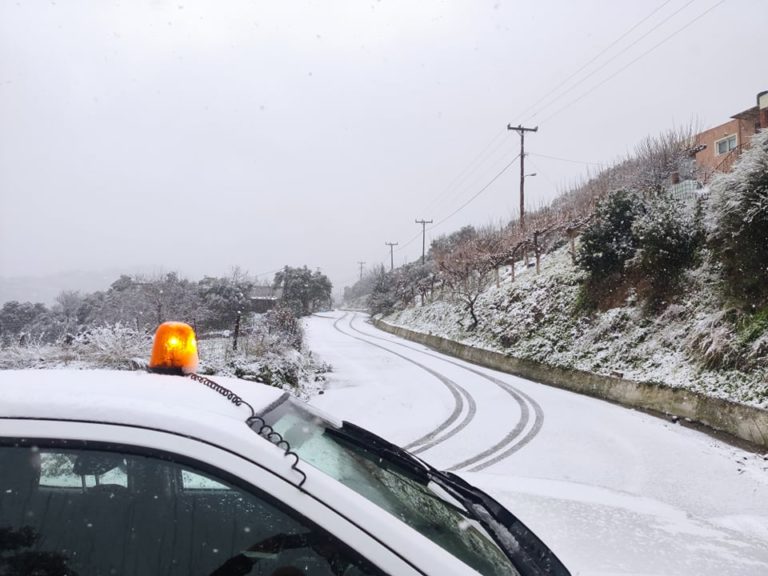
134 473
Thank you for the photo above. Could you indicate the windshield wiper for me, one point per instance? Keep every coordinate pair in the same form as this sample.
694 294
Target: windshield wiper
528 553
388 453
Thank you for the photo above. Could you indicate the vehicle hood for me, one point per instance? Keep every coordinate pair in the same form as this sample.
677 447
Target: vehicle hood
598 531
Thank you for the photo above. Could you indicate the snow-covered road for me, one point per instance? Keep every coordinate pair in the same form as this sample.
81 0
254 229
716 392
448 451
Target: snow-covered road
620 475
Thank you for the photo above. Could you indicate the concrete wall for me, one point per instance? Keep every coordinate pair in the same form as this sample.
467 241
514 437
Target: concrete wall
742 421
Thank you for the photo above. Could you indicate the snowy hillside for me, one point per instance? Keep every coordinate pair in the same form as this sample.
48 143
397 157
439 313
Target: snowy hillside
540 317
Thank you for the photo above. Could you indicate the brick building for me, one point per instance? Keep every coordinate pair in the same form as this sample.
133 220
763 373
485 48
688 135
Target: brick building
722 145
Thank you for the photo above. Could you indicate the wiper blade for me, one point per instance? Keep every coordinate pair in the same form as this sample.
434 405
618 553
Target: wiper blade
386 451
530 555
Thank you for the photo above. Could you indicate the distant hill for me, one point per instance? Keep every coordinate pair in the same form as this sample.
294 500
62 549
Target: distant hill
45 288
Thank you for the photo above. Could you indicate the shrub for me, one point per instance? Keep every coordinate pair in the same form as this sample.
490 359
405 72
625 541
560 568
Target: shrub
282 323
113 346
667 240
383 295
738 225
608 242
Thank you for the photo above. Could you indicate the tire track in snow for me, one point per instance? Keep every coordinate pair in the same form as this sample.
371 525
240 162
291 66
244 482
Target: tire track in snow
513 441
442 432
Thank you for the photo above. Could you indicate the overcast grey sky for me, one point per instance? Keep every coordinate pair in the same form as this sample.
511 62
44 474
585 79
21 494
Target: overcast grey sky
195 136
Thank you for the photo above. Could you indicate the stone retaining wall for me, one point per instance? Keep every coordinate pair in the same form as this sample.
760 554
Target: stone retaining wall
745 422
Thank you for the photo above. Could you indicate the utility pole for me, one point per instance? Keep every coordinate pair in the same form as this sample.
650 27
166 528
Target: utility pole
361 269
423 237
391 254
521 130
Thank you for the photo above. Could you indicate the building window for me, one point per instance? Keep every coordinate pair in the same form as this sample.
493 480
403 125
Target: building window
726 144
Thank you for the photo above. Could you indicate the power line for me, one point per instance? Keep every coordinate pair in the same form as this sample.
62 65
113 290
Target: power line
603 51
410 241
566 159
463 175
539 171
598 55
620 70
418 234
614 57
471 166
477 176
483 189
468 169
266 273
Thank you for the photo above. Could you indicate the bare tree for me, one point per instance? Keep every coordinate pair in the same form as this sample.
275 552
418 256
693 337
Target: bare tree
467 269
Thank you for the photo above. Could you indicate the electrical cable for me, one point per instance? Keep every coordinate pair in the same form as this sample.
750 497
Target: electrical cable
541 172
266 273
468 169
565 159
413 239
493 159
603 51
620 70
483 189
614 57
464 205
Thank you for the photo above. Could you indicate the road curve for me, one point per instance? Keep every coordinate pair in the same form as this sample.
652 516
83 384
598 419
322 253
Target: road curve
514 440
524 430
445 430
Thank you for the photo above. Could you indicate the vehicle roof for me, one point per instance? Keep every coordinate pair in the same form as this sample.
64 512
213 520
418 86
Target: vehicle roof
183 406
135 398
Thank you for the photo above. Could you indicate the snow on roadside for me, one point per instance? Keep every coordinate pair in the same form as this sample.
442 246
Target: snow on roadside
119 347
537 317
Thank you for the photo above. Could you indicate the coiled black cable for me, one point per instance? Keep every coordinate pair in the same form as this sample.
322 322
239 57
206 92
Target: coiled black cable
264 430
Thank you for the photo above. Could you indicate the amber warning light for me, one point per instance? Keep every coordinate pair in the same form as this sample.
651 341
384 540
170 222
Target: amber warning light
174 350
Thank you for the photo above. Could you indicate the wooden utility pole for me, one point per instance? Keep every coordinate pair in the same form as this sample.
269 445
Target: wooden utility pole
237 330
391 254
521 130
361 269
423 237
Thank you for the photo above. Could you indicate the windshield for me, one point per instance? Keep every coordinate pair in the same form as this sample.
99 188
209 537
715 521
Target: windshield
423 506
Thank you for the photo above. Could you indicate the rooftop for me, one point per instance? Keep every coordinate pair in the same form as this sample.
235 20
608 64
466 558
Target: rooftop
173 403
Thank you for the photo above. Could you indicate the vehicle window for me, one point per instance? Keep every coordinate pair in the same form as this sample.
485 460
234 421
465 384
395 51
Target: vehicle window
425 508
194 481
57 470
68 512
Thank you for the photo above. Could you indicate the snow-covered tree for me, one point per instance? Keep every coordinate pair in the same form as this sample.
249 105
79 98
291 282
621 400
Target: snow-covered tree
20 321
738 223
383 296
222 300
608 242
303 290
667 238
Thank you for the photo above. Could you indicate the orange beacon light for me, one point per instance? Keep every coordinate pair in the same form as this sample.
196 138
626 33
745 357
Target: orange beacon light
174 350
